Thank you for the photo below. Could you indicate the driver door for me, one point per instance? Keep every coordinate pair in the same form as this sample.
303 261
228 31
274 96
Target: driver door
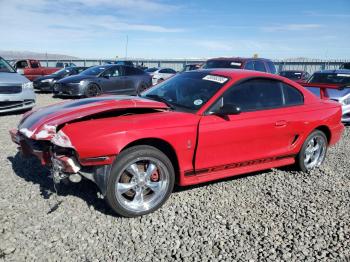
112 81
261 130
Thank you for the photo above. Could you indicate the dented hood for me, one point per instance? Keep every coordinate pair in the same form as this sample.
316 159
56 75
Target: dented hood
58 114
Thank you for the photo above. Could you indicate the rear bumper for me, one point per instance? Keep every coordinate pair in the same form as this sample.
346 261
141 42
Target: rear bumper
336 134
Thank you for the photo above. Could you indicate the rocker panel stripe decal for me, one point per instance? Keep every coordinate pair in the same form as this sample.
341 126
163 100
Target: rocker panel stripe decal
234 165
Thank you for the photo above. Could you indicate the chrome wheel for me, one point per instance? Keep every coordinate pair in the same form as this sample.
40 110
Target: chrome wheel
315 152
142 184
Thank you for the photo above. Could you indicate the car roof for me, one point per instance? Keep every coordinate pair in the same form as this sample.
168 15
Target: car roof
237 73
241 59
336 71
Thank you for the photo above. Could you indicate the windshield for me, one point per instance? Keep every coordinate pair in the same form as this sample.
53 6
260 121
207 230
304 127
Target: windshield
94 71
330 78
151 70
62 72
291 74
188 91
5 67
223 64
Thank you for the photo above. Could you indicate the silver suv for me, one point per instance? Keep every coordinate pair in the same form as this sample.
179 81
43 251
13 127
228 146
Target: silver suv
16 91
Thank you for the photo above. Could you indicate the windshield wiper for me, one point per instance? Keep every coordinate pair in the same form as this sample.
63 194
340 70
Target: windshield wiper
161 99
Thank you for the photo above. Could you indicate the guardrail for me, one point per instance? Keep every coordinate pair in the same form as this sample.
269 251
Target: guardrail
177 64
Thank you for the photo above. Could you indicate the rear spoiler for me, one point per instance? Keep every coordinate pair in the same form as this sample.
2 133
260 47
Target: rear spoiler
323 88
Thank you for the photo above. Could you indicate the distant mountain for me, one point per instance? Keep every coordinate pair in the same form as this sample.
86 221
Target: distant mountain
10 55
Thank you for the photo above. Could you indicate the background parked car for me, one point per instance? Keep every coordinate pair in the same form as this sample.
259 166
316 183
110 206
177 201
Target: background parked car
256 64
295 75
32 68
61 64
120 62
104 79
16 91
161 74
190 67
345 66
335 85
46 83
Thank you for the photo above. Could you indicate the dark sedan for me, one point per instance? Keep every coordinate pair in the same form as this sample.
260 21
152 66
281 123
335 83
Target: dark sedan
104 79
46 83
298 76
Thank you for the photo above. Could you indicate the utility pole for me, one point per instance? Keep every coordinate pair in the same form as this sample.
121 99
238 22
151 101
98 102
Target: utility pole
126 46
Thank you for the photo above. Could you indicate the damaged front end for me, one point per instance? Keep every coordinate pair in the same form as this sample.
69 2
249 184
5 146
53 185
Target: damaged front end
56 151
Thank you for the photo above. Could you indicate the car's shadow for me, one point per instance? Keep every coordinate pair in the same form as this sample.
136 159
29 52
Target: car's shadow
31 170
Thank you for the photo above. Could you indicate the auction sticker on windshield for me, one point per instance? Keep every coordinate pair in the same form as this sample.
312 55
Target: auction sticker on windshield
217 79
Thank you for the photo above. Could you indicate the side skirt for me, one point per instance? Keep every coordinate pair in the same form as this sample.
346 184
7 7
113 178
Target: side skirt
215 173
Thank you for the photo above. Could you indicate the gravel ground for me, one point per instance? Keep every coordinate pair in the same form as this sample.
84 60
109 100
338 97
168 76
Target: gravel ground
271 216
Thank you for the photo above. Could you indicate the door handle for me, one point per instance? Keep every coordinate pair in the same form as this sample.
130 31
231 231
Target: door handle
281 123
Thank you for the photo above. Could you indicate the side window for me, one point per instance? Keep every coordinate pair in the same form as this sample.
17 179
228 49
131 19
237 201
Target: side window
34 64
259 66
292 96
249 65
271 67
112 72
162 71
21 64
171 71
255 94
132 71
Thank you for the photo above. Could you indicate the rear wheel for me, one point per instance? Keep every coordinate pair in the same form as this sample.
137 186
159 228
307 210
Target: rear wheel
92 90
313 151
141 180
141 88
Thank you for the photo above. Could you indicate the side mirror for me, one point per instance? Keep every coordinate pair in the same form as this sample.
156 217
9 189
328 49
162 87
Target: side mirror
228 109
105 76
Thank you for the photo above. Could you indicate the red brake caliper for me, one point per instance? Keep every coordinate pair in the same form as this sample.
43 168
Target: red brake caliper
155 176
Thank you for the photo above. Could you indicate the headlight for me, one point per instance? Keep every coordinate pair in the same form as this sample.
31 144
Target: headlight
47 80
28 85
82 82
62 140
346 101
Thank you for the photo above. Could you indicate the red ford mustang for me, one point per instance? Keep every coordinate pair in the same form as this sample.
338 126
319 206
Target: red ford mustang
195 127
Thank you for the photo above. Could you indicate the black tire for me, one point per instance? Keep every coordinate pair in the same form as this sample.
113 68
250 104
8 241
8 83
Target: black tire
301 157
92 90
142 87
124 159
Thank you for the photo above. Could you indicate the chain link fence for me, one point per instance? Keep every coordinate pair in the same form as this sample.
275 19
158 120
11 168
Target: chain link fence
177 64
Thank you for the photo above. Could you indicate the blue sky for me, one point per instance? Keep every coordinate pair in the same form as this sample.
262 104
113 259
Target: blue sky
178 29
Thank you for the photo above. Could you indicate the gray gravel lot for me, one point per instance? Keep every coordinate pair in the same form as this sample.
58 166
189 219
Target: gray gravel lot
272 215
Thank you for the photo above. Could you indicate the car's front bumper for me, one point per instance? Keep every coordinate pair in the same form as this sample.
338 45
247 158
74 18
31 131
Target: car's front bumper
16 102
43 86
68 89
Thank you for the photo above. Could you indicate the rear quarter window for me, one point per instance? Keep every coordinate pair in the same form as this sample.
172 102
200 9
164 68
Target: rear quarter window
292 96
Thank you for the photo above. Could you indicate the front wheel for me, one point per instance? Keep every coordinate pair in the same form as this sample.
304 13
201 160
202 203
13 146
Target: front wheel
141 180
313 151
92 90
